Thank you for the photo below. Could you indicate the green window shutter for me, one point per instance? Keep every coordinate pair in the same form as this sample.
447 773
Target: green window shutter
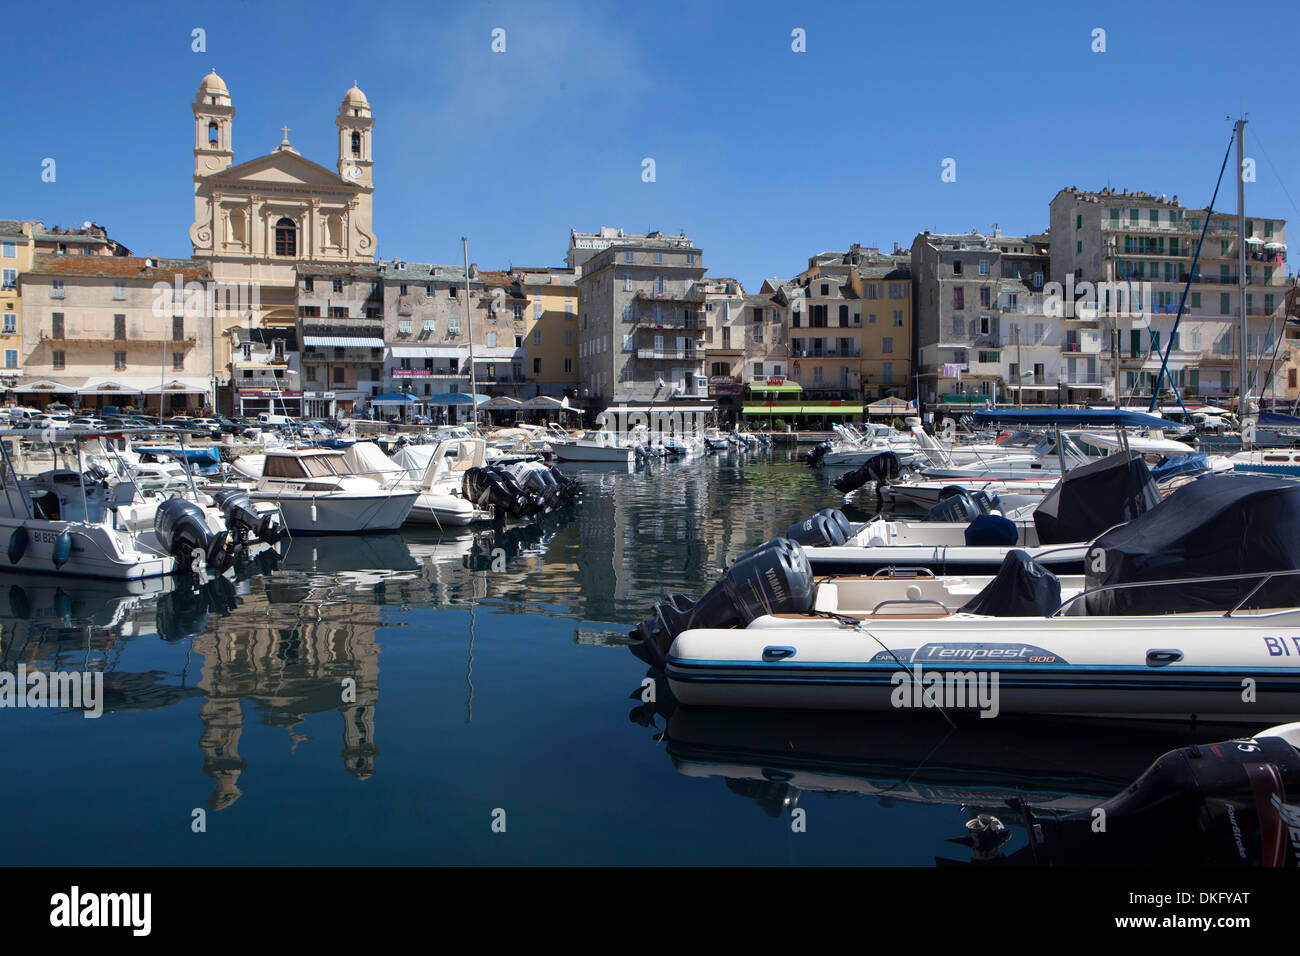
1196 300
1225 308
1135 343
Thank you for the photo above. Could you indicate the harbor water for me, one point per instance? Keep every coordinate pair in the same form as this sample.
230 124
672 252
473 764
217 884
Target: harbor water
469 698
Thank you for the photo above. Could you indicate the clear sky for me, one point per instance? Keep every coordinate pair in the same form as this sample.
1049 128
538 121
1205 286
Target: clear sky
764 156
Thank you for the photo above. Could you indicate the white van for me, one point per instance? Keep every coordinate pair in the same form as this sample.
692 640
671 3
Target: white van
266 418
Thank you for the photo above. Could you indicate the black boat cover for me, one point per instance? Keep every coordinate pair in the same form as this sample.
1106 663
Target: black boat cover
1094 498
1022 588
1217 525
992 531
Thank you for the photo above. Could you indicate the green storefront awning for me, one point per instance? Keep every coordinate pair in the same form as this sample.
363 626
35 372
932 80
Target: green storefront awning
965 399
792 409
792 387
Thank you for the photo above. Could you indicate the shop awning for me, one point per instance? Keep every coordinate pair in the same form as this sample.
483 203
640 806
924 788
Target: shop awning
788 387
844 409
502 402
395 398
123 384
187 386
45 385
342 342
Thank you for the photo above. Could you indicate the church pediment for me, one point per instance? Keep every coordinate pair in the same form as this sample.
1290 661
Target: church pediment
280 168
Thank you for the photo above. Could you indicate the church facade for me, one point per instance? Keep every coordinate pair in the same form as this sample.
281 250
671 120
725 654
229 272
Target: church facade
261 224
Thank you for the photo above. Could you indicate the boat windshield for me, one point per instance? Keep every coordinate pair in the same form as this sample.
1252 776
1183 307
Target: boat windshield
322 466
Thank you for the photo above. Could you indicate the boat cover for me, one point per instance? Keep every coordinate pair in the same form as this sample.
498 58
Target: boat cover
1095 497
415 458
1217 525
1021 588
1167 468
365 458
992 531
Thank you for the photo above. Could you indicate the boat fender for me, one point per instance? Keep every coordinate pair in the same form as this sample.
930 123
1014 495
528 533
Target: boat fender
18 544
62 549
20 606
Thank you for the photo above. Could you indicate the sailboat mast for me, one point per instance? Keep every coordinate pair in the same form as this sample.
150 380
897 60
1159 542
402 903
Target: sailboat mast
1241 260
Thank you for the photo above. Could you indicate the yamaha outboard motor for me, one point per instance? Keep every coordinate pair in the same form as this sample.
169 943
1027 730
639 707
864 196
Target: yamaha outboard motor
1225 804
538 479
959 507
814 457
774 578
185 535
828 526
244 521
491 485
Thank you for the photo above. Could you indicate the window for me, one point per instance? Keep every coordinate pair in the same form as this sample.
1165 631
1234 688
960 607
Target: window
178 328
453 327
690 258
568 336
356 144
984 296
659 258
985 324
9 250
11 323
119 327
56 360
57 289
338 312
984 267
537 336
1078 221
1078 246
119 291
178 361
404 327
898 318
491 340
887 372
537 366
119 361
1225 304
286 239
956 267
887 345
308 285
844 315
627 256
568 365
958 297
340 375
11 360
519 312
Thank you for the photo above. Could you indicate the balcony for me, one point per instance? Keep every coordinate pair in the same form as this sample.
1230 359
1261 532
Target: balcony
689 355
669 296
827 353
86 338
1161 228
682 324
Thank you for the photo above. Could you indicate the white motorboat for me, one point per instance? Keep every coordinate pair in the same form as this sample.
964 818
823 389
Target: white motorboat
715 440
318 494
438 471
594 446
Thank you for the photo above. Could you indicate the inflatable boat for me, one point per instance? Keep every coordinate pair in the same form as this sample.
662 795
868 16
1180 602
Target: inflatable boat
1154 630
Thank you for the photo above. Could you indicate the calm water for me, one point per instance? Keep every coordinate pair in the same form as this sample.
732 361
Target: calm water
490 676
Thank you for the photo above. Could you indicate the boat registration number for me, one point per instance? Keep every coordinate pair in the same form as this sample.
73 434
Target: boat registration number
1277 646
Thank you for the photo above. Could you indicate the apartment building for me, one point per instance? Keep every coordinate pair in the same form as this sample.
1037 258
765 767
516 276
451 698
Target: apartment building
17 249
550 330
640 330
116 330
1142 246
341 327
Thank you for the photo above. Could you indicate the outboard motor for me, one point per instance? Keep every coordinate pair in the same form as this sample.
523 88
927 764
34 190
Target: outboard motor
814 457
492 485
774 578
1222 804
882 469
966 506
570 488
185 535
244 521
828 526
538 479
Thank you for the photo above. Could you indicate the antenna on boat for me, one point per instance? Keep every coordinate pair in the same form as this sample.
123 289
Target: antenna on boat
469 325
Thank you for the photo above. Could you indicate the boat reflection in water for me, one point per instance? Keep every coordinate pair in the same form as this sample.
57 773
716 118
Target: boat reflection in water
1174 793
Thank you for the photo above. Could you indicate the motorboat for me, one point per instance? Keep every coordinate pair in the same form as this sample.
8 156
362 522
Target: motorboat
715 440
317 492
972 531
435 472
1155 631
596 445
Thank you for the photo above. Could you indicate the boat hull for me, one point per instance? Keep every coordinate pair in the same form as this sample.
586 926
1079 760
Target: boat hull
97 552
1231 669
305 513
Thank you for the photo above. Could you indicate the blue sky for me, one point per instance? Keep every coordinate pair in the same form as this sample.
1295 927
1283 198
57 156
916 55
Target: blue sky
764 156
